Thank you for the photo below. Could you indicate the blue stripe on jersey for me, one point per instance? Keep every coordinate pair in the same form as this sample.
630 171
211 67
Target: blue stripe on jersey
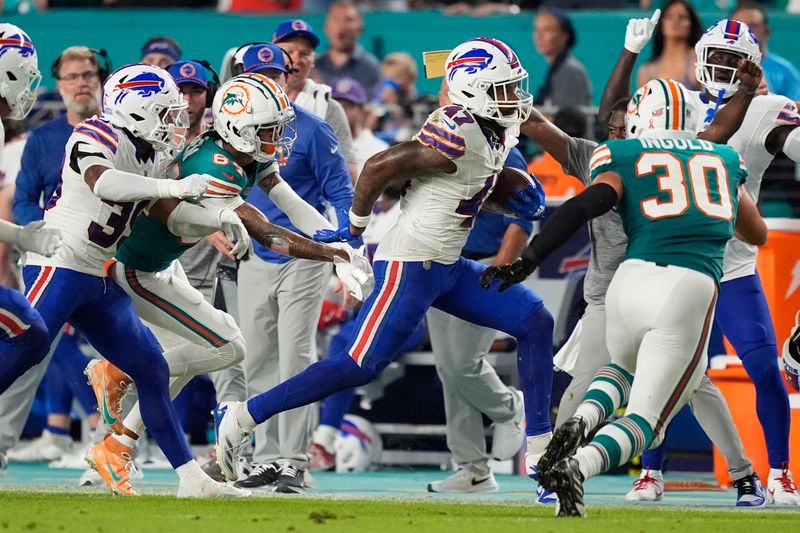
442 133
789 117
96 136
433 143
103 126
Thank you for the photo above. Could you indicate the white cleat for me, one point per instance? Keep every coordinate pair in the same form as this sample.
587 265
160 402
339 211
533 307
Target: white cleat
90 478
48 447
232 438
781 489
648 488
205 487
465 481
508 436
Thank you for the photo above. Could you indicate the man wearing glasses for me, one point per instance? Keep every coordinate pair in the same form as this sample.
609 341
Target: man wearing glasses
78 74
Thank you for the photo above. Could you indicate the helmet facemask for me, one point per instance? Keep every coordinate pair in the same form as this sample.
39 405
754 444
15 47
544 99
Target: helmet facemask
170 131
19 89
509 101
720 80
273 142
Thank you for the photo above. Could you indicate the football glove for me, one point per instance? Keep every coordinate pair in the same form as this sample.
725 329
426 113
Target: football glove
235 231
513 273
639 31
339 235
39 239
192 186
356 274
527 203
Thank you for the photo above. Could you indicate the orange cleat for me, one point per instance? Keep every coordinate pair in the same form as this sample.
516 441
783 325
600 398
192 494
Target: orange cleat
112 460
110 385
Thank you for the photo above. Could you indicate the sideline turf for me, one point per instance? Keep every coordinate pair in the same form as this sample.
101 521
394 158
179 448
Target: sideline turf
37 511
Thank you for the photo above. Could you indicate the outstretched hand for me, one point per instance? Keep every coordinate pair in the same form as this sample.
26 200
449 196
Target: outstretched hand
510 274
639 31
749 75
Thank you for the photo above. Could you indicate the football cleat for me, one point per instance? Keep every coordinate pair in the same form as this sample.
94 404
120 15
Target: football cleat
507 437
781 489
262 477
749 492
232 437
566 480
465 482
110 385
291 480
202 486
48 447
543 496
648 488
90 478
564 443
319 458
112 460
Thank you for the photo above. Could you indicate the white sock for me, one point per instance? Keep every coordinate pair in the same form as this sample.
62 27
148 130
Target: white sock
124 439
244 418
776 472
590 461
536 445
590 415
325 436
190 469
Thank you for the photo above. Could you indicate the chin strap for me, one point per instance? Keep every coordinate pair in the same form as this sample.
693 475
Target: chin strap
711 113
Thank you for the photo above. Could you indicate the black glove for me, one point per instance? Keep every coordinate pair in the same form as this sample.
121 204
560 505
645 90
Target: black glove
513 273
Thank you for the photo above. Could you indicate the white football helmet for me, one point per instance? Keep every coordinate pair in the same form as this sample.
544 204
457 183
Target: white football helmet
253 114
19 70
145 100
485 76
791 355
730 36
358 446
661 108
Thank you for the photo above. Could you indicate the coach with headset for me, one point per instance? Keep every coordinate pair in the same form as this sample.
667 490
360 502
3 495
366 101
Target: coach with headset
79 72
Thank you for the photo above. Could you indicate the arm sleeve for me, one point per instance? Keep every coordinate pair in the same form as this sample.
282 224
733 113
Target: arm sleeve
330 168
337 119
29 185
197 221
579 154
119 186
301 215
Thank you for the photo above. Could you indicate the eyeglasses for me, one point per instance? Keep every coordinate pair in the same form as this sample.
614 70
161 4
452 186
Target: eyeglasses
89 75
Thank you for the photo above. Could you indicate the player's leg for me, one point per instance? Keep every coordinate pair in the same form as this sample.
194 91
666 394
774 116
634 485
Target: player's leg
592 354
753 337
24 338
469 383
519 312
403 292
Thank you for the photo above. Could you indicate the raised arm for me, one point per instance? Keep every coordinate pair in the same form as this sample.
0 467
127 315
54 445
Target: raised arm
729 119
637 34
404 161
547 135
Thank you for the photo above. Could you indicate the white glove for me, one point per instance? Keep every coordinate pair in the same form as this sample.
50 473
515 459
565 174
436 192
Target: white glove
192 186
233 228
639 31
356 274
39 239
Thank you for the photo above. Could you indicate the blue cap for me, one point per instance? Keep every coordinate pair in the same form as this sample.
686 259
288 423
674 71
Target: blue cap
350 90
189 72
262 56
295 28
158 46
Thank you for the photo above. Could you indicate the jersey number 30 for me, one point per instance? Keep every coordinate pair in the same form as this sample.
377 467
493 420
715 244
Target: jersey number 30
673 181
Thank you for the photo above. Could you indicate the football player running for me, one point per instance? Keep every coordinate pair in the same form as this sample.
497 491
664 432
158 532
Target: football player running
115 165
23 333
770 126
251 130
449 169
661 300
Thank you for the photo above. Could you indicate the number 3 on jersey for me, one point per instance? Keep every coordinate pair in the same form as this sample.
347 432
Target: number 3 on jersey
673 181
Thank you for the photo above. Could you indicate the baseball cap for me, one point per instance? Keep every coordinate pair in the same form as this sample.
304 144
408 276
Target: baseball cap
295 28
156 45
261 56
350 90
189 72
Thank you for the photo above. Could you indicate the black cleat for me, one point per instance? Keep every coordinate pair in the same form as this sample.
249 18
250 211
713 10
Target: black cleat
290 479
564 443
566 480
263 477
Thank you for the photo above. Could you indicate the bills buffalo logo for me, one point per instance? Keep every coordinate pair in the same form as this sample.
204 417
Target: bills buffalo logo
470 62
145 84
236 100
265 55
16 41
187 70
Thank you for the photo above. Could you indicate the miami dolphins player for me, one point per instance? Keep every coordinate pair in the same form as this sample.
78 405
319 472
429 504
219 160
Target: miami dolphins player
769 126
449 169
114 166
23 333
680 199
251 130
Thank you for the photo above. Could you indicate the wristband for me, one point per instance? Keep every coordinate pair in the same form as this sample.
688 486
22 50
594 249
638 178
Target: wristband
357 220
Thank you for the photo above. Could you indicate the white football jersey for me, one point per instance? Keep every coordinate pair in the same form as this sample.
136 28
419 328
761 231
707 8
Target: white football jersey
764 114
91 227
437 210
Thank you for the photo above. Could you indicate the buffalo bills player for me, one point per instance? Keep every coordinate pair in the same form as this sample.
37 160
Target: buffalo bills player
448 169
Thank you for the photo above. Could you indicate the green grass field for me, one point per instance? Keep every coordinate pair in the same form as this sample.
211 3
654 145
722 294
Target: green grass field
37 511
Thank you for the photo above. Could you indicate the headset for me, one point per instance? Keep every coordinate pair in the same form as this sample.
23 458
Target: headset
103 64
235 68
213 83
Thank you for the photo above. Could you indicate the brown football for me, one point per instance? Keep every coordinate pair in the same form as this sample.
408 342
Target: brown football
509 181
